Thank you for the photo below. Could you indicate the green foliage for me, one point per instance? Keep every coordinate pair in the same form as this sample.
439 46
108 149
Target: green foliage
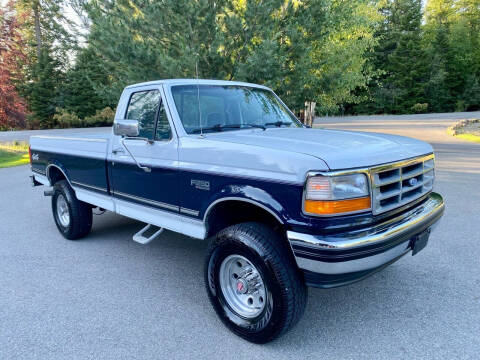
41 91
78 90
64 119
102 117
435 62
304 50
398 58
49 44
419 108
362 56
452 39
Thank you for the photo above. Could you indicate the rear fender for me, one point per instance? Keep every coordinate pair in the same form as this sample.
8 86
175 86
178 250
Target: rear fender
54 164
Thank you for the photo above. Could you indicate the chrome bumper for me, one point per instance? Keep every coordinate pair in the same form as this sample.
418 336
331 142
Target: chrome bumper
363 251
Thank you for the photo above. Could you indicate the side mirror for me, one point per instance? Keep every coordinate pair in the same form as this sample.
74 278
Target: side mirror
128 128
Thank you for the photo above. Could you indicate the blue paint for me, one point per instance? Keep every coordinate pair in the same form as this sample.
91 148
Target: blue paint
173 187
85 170
160 185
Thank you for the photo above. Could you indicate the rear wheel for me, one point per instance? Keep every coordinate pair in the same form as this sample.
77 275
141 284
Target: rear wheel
253 282
72 216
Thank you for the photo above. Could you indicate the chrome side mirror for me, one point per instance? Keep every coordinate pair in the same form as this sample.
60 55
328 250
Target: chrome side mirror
128 128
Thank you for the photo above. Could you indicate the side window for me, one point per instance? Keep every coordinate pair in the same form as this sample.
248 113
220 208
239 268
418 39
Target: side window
163 127
143 106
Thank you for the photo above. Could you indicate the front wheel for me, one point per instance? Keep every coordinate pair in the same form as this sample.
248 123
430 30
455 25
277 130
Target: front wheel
72 216
253 282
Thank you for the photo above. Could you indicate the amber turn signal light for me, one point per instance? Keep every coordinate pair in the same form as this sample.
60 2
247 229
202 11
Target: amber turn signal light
333 207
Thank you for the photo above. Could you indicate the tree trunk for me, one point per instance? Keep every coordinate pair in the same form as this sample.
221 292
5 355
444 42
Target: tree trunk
38 30
309 113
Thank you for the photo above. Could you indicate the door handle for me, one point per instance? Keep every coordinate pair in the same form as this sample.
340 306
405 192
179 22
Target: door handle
118 151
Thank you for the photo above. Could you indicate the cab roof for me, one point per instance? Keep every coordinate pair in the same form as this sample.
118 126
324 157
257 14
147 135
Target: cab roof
171 82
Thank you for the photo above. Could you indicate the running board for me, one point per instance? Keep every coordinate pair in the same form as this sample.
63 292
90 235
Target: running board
141 239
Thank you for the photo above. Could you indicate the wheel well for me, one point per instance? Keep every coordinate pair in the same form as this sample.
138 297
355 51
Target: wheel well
231 212
54 175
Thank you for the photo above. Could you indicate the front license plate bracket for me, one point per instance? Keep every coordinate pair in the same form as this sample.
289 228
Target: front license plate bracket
419 241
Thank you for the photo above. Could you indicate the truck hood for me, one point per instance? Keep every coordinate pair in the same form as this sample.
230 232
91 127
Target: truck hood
339 149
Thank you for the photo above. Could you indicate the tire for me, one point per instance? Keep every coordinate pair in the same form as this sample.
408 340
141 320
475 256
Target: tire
75 221
258 248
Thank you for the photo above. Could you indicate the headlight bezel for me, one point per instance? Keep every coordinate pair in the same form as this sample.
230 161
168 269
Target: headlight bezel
330 175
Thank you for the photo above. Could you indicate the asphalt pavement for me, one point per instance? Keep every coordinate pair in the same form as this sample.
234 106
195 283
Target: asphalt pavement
107 297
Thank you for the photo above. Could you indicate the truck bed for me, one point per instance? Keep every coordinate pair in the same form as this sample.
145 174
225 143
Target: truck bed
81 157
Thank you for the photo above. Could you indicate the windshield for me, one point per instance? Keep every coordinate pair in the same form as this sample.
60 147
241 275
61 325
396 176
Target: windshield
224 108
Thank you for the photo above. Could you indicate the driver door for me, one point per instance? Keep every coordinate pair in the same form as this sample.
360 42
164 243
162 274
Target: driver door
155 148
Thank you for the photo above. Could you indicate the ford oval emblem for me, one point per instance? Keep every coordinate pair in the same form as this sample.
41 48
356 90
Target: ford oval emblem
412 182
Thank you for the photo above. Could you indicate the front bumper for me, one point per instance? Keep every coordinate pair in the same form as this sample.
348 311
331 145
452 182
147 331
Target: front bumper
339 259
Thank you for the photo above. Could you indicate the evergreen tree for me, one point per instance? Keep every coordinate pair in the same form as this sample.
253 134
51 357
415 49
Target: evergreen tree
78 94
399 58
41 92
312 50
452 41
50 46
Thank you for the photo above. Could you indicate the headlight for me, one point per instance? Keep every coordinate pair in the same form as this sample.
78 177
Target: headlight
334 195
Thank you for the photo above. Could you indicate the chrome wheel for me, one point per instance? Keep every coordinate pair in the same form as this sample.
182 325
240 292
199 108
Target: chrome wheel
62 211
242 286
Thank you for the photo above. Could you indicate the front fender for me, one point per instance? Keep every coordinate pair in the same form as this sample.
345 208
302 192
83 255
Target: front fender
249 194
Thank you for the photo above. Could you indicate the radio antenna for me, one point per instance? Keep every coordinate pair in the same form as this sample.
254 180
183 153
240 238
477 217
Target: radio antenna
198 101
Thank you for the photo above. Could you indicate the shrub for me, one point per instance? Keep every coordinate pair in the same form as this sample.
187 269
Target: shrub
419 108
460 105
63 119
102 117
464 126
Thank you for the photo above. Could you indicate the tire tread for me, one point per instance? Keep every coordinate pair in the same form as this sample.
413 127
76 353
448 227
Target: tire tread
278 254
81 216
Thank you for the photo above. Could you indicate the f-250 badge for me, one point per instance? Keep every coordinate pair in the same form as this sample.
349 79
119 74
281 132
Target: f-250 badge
200 184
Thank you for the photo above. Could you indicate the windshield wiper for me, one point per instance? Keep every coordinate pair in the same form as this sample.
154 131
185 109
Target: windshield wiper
256 126
278 123
220 127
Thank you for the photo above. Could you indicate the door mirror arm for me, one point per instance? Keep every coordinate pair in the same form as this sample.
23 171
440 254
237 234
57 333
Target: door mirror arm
150 142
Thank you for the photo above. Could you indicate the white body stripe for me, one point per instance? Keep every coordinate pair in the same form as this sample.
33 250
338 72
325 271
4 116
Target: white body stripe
165 219
94 198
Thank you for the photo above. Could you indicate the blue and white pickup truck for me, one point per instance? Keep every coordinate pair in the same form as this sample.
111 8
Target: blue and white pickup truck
283 206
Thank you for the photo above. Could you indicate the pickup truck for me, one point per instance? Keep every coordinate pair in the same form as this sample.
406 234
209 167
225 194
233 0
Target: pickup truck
283 206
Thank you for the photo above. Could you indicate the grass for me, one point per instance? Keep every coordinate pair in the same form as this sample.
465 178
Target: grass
468 129
13 154
469 137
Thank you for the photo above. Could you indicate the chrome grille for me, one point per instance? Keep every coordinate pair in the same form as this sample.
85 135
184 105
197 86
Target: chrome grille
397 184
